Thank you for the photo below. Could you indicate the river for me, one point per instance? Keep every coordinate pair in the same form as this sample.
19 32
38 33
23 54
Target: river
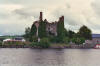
49 57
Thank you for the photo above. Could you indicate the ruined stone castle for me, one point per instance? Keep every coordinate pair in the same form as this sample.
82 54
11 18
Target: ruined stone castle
51 27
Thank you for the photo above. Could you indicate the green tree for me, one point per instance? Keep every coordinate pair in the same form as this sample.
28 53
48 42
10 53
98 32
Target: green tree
85 32
44 43
60 31
0 43
54 39
66 32
66 40
71 34
33 33
42 29
33 30
78 40
27 32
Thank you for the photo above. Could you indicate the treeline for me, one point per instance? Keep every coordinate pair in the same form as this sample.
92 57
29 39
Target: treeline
63 35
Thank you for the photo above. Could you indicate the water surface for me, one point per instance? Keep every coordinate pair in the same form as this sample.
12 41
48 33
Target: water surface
49 57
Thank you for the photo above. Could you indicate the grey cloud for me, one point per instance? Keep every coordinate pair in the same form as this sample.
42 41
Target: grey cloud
31 2
69 18
21 18
96 7
92 25
26 13
10 29
71 21
22 13
3 16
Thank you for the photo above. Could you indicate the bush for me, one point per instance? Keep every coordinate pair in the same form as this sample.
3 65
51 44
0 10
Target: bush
66 40
0 43
78 40
53 39
35 39
44 43
34 44
13 43
82 40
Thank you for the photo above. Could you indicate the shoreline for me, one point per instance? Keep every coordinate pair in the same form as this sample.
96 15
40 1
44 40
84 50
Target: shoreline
42 48
46 48
51 46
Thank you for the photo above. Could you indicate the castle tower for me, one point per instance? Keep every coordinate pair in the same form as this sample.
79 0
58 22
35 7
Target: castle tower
40 16
61 19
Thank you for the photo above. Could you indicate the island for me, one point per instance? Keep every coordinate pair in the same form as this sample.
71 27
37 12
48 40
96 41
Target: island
45 34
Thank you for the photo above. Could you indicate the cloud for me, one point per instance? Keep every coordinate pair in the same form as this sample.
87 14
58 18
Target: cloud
3 15
96 7
27 13
10 7
15 15
14 29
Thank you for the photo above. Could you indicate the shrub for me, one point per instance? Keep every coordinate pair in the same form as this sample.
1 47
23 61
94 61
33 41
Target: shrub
0 43
44 43
78 40
14 43
35 39
53 39
66 40
34 44
82 40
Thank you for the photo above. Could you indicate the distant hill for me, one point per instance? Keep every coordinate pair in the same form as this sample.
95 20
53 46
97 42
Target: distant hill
95 35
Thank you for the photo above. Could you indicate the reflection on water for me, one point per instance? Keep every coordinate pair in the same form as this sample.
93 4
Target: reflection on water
49 57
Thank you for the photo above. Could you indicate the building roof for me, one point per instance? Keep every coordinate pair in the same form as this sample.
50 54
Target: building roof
95 35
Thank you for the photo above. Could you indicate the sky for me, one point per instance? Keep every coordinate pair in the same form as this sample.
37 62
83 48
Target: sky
16 15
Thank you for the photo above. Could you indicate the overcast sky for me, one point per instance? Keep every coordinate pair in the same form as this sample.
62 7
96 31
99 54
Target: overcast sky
16 15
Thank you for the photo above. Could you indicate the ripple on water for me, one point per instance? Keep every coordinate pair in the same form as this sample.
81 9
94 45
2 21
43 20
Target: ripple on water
49 57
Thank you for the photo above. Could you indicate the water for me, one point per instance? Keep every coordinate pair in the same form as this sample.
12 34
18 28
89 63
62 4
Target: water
49 57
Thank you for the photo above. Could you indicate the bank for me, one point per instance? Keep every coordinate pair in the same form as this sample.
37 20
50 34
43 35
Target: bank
52 46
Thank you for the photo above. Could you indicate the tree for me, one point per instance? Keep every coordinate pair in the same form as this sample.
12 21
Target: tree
78 40
66 32
33 30
42 29
85 32
33 33
60 31
71 34
27 32
44 43
66 40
